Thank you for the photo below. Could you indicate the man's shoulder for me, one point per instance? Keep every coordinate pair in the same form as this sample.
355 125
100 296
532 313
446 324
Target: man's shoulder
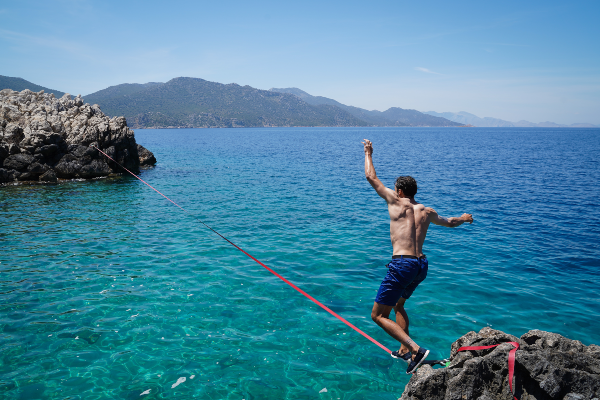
423 208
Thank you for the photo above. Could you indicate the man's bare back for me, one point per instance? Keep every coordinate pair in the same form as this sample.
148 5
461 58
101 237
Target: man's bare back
409 222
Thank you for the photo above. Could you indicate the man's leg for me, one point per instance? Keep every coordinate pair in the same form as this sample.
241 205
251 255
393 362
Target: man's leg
380 316
402 321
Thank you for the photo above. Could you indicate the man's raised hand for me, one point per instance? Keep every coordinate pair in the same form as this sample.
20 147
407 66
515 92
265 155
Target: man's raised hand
467 218
368 146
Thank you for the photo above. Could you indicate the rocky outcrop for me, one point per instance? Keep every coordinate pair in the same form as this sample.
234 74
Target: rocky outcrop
547 366
43 138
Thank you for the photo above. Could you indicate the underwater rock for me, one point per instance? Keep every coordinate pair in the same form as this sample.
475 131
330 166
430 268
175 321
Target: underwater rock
43 138
547 366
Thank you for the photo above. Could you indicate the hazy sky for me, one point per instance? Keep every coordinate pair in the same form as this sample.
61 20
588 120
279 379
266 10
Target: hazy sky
533 60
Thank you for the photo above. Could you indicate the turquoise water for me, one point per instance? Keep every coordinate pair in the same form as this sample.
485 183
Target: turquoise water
108 291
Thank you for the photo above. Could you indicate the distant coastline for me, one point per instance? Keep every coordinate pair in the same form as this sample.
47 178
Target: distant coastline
489 122
196 103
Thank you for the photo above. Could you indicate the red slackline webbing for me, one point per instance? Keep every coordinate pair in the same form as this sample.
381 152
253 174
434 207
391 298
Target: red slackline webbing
511 360
263 265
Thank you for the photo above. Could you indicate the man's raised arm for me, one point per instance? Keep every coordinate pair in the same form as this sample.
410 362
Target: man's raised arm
451 222
387 194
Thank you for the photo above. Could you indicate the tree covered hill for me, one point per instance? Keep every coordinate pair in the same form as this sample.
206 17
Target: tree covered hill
124 89
197 103
392 117
20 84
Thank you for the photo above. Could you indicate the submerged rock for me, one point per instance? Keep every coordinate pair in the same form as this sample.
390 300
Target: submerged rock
43 138
547 366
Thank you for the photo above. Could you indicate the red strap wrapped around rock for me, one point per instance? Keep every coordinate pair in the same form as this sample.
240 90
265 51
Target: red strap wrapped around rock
511 360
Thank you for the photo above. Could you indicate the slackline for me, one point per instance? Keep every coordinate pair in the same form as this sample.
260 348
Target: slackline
324 307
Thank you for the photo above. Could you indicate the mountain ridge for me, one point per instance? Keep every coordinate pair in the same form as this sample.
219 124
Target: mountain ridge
20 84
197 103
393 116
489 122
193 102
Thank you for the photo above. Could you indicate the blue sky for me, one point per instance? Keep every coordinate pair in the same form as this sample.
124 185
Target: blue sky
534 60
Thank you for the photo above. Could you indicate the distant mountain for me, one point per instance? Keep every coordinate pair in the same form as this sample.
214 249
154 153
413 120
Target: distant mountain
487 122
392 117
196 103
20 84
124 89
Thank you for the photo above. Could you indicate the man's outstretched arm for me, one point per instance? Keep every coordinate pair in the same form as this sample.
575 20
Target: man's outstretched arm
386 193
451 222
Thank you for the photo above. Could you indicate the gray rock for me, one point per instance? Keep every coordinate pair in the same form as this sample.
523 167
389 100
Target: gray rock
47 150
37 168
146 156
48 138
13 133
69 166
49 176
547 366
27 176
4 152
4 176
95 168
18 162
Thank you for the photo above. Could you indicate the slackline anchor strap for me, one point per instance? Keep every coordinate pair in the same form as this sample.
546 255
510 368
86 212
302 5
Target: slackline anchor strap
511 360
324 307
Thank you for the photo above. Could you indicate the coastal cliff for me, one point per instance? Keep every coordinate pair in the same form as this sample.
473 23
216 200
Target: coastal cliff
43 138
547 366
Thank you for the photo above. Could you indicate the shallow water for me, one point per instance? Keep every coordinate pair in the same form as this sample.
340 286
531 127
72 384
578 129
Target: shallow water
109 291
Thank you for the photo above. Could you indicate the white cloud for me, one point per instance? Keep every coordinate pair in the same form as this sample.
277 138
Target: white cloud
426 70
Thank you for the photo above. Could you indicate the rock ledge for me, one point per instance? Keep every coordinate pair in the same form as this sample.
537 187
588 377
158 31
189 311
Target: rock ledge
547 366
45 139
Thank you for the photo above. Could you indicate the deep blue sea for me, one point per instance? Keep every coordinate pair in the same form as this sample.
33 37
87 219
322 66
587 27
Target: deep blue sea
108 291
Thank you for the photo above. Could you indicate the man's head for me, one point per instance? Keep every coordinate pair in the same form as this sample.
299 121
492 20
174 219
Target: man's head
406 184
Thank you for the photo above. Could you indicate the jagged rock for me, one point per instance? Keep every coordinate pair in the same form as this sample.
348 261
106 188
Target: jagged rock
146 156
4 175
4 152
13 133
45 138
547 366
18 162
49 176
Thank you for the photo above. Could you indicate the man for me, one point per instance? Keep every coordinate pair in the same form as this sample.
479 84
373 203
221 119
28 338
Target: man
409 221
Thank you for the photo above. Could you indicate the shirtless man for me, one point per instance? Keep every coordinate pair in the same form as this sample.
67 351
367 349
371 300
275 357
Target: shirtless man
409 221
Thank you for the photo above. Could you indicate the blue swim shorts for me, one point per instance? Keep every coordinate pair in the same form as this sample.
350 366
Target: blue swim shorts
403 277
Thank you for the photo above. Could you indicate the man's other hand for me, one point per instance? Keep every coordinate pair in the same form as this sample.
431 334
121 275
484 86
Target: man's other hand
368 146
467 218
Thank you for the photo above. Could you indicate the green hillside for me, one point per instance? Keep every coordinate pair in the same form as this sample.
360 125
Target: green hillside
124 89
416 118
392 117
19 84
197 103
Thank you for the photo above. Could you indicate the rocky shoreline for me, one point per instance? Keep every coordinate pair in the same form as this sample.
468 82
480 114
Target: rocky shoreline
547 366
46 139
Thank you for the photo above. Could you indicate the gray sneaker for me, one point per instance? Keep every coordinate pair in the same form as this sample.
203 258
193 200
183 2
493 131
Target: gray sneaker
406 356
419 358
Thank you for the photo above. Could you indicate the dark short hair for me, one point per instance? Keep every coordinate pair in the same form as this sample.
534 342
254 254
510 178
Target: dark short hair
408 184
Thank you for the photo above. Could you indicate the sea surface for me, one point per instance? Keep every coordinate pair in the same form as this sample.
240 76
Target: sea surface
108 291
